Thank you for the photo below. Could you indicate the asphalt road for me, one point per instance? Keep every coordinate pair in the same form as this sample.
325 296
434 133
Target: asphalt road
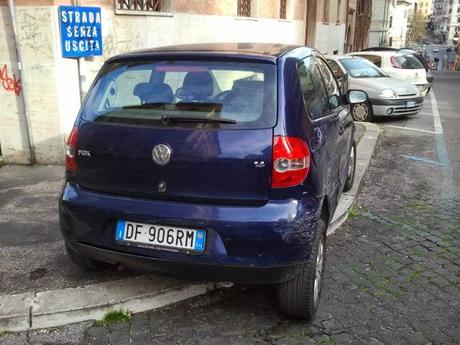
392 271
32 254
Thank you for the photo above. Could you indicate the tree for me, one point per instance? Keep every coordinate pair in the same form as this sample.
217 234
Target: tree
417 28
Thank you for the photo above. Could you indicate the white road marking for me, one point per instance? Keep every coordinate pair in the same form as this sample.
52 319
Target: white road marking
437 118
412 129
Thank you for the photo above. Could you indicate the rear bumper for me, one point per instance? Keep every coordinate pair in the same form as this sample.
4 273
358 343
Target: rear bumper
396 107
264 244
191 270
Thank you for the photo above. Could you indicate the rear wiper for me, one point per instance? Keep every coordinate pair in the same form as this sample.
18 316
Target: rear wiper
167 119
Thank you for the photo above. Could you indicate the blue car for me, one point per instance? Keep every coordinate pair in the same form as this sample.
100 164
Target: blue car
222 162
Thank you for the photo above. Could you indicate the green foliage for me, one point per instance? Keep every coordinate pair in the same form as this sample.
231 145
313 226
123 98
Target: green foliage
353 213
417 28
114 316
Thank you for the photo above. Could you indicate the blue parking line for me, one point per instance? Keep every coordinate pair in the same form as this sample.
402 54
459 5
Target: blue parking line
424 160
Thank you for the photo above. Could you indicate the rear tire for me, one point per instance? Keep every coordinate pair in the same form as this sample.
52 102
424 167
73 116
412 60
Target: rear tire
351 170
362 112
84 262
300 296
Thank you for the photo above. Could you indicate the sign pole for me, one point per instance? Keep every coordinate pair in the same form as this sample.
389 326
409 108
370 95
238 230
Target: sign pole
80 84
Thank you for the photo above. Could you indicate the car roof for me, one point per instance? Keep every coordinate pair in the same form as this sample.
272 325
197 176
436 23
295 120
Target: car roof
380 49
338 57
380 53
262 51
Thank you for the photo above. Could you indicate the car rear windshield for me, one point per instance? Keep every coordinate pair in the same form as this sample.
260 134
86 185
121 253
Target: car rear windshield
408 62
361 68
184 93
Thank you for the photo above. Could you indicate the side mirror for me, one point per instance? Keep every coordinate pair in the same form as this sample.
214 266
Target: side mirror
356 96
334 101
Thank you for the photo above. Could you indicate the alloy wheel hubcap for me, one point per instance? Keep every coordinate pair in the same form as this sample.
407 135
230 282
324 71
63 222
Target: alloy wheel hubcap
318 272
360 112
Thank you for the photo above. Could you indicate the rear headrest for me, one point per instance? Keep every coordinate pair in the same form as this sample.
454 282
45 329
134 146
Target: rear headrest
154 93
198 85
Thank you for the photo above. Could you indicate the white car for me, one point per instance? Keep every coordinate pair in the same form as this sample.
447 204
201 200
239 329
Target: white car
386 96
402 66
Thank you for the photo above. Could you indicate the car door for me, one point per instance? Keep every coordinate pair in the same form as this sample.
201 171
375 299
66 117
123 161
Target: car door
325 128
340 112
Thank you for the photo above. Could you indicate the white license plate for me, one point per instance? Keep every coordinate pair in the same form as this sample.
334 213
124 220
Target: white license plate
160 235
410 104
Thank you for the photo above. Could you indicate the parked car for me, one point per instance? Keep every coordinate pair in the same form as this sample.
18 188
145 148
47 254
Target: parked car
399 66
418 55
387 96
220 161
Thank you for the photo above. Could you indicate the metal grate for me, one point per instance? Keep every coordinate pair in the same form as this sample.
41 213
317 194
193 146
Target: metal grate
283 4
139 5
244 8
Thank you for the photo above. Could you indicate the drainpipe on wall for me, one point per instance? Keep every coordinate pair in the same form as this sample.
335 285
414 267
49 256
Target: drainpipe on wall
25 113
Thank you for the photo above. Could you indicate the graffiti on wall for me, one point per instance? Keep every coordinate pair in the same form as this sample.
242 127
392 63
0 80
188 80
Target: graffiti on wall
8 83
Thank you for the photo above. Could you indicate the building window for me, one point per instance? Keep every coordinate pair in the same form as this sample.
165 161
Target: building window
391 22
140 5
244 8
326 11
283 5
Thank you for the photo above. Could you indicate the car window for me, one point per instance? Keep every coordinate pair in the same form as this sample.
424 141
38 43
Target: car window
375 59
406 62
336 70
313 91
149 92
361 68
332 87
329 81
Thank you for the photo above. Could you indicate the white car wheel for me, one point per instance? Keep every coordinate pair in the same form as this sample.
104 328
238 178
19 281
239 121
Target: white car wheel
361 112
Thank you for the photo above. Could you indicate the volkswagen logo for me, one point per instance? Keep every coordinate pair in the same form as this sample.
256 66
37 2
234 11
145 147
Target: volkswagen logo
161 154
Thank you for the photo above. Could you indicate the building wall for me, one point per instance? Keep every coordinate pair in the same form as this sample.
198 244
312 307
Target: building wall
12 128
379 24
37 46
330 30
400 13
51 83
425 7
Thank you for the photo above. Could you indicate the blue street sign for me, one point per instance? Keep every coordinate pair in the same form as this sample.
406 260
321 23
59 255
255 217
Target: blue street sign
80 31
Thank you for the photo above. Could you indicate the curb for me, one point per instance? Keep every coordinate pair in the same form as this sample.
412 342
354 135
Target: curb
53 308
364 152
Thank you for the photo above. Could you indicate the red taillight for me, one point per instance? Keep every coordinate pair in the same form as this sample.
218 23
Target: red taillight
71 151
394 62
291 161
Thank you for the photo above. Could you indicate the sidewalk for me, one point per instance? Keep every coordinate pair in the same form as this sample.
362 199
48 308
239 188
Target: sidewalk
40 287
